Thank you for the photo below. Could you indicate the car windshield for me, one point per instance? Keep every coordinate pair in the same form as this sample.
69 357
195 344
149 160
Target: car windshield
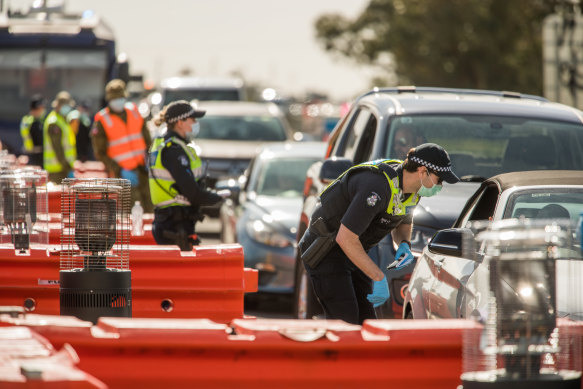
242 128
546 203
483 146
283 177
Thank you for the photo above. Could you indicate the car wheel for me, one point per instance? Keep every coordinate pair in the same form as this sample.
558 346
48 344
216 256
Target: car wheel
306 305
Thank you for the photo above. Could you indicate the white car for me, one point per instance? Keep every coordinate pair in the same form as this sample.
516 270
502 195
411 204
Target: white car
449 282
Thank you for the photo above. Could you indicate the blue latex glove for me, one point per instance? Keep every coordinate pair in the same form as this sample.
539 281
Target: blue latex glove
71 174
380 292
407 256
130 175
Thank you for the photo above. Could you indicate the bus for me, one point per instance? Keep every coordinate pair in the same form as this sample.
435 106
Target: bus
45 50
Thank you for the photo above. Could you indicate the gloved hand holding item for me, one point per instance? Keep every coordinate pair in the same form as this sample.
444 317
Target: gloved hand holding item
71 174
380 292
130 175
224 193
407 256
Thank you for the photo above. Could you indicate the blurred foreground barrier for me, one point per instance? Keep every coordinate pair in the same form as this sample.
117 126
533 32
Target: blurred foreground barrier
177 353
28 360
209 283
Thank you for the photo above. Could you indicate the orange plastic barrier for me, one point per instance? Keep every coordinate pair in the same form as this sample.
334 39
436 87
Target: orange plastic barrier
209 283
173 353
28 360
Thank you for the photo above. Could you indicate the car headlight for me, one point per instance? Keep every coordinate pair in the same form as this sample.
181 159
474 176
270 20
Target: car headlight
264 233
420 236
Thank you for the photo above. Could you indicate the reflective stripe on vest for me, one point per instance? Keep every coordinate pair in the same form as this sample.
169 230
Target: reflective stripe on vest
25 125
161 182
127 146
51 163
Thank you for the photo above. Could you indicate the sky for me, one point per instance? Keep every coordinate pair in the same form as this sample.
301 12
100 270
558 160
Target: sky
270 42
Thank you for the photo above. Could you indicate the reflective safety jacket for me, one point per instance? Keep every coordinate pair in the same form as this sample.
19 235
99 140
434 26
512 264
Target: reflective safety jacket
335 201
162 189
68 141
127 146
27 142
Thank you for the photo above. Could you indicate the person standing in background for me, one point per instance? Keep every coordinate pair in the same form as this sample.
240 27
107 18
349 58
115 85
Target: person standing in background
121 139
80 122
31 130
59 144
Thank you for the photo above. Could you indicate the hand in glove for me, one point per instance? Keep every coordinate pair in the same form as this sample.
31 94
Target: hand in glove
404 256
380 292
129 175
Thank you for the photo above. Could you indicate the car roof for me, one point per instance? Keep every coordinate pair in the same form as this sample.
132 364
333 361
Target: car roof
238 108
537 177
200 82
295 149
443 101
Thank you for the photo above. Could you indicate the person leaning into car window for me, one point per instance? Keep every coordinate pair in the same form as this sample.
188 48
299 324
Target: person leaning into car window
175 171
363 205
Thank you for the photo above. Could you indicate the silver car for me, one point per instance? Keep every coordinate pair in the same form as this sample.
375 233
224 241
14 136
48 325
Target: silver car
448 282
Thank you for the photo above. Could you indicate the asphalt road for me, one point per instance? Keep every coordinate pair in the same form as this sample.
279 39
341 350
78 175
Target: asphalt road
261 306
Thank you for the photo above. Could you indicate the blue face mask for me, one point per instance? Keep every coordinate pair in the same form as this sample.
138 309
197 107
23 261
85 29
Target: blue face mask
428 192
65 109
117 105
195 129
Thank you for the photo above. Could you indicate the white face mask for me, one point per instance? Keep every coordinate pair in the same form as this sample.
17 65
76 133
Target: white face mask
117 105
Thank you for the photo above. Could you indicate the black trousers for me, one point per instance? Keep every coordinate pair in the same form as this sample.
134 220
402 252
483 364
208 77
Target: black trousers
170 224
342 288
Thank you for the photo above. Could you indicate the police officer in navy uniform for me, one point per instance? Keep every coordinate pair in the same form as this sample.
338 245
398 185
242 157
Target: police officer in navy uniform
175 171
361 207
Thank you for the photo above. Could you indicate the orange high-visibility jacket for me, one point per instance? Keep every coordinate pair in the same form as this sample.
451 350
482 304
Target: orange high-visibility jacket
127 146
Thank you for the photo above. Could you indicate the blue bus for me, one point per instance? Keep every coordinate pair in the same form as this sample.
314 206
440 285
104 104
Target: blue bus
46 50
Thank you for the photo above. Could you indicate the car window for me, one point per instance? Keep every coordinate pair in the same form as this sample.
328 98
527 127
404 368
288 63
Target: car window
546 203
484 146
242 128
283 177
484 205
349 145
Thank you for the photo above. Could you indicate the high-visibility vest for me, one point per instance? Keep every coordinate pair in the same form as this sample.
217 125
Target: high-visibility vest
27 143
161 182
51 163
127 146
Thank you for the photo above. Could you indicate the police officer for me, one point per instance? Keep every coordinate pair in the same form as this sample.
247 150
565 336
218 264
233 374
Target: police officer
59 144
31 130
358 209
175 173
121 139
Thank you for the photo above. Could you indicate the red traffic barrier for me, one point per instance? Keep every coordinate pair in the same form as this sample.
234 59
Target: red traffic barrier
28 360
208 282
172 353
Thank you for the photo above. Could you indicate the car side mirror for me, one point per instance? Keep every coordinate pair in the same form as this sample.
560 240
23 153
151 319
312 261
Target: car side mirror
334 167
455 242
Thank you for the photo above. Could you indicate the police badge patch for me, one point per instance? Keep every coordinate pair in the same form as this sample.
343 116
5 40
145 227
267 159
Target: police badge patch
184 161
372 199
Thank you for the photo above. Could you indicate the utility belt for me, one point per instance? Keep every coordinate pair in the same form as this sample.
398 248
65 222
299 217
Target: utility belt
316 243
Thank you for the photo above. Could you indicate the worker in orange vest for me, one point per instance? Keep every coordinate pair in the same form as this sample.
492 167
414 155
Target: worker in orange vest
121 140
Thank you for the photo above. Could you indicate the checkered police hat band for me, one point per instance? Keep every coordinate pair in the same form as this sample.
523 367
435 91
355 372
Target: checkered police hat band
431 166
182 116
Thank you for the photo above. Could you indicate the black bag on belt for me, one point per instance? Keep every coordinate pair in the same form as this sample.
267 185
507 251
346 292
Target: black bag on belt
316 243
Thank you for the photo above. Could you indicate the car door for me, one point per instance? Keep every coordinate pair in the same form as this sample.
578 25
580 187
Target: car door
450 295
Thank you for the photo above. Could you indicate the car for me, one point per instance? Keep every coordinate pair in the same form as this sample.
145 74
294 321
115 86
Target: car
450 282
232 132
264 220
485 132
193 88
